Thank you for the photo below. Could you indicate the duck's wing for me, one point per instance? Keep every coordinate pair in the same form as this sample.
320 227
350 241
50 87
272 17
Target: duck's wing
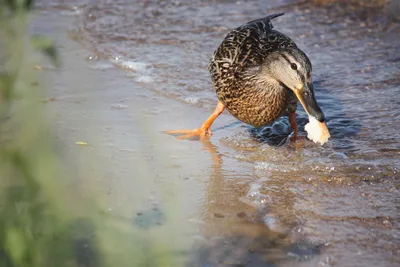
247 47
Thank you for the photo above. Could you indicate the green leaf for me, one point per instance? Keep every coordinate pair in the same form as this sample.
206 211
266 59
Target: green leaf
7 83
15 244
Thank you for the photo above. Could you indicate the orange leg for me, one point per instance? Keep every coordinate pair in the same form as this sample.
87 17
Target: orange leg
203 130
293 124
295 137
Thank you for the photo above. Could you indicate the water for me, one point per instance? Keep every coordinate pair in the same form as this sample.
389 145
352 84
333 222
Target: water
252 197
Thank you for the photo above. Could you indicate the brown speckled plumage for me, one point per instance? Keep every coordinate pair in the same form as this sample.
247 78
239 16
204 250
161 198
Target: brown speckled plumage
238 69
259 74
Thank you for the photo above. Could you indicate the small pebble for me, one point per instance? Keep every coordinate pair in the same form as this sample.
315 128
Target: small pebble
218 215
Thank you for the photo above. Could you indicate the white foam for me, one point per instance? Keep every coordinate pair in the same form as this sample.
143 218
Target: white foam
118 106
131 65
144 79
192 100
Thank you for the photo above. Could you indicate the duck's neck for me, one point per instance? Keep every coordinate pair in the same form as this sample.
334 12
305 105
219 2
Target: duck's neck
270 87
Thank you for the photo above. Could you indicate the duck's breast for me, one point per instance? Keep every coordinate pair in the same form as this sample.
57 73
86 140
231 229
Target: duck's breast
254 106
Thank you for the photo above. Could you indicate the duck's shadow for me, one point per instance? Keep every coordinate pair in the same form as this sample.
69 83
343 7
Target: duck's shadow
277 133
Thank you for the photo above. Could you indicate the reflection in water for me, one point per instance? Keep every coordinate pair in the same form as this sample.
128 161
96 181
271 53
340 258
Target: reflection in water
242 230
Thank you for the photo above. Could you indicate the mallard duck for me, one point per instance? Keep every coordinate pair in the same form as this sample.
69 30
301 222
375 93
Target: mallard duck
259 75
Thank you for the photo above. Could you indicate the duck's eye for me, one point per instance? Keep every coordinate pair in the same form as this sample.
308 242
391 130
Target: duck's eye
293 66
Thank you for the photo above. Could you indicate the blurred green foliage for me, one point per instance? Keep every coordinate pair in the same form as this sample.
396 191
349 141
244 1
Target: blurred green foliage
33 232
15 5
39 224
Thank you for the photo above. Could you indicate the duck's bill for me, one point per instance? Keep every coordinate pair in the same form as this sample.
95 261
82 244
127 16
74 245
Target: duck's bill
309 103
316 129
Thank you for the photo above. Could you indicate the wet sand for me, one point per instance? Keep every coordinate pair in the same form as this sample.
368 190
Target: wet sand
246 196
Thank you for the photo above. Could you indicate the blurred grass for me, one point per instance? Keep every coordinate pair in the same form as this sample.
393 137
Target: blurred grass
42 225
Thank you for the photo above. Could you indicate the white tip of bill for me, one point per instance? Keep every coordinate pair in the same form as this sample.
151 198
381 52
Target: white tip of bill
317 131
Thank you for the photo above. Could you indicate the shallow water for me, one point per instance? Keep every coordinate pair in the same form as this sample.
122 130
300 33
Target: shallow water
247 196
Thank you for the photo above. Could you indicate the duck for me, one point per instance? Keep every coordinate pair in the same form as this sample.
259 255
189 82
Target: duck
259 75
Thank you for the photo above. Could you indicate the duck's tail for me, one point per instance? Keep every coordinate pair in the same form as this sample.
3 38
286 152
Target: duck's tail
266 19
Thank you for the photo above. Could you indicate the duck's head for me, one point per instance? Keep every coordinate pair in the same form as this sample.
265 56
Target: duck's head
292 69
